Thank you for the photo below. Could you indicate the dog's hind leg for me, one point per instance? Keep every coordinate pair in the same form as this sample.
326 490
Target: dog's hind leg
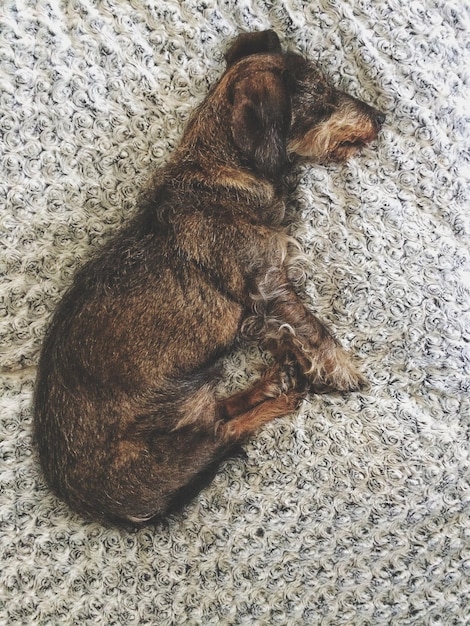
277 393
242 426
275 381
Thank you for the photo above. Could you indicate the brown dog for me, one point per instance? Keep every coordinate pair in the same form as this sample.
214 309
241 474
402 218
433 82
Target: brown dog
127 420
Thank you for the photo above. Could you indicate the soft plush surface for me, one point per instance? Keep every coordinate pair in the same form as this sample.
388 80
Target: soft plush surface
355 509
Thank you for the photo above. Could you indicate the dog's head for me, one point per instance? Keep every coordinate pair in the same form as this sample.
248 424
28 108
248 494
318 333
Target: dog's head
282 105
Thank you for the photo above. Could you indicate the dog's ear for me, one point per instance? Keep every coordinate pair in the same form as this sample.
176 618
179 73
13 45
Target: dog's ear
260 121
252 43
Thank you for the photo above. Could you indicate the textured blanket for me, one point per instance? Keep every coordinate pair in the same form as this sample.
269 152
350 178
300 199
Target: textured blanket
353 511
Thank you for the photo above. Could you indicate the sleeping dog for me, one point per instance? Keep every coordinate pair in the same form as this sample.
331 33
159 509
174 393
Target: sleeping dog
127 418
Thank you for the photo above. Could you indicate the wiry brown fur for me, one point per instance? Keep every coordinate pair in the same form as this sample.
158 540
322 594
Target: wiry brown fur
127 421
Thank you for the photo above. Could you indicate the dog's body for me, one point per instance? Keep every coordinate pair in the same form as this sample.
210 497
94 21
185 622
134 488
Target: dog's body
126 415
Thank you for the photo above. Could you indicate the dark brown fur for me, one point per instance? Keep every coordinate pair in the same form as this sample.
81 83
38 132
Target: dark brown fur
127 420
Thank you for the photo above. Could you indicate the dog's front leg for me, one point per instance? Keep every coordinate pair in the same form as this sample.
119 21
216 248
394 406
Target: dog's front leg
292 331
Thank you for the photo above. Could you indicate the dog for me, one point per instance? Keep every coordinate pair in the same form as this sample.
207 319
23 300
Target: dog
127 418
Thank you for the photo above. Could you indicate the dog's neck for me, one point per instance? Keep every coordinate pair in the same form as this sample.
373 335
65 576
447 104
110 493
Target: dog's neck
186 172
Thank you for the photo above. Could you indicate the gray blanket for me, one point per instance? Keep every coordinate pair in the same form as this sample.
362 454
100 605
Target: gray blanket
354 510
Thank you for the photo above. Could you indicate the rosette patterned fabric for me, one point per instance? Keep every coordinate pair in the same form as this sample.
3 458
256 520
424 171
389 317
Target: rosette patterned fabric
355 510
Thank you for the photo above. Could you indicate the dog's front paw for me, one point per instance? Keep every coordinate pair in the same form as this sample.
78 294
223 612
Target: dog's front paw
334 370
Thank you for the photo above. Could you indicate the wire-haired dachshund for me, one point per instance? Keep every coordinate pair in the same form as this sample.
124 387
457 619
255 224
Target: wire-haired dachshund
127 418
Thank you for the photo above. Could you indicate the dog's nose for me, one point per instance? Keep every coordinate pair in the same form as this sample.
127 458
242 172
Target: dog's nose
380 119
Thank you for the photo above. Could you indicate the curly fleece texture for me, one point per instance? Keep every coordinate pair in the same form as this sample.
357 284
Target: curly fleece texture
354 510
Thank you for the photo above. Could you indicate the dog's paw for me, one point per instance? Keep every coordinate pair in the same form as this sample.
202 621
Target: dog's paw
334 370
290 378
283 379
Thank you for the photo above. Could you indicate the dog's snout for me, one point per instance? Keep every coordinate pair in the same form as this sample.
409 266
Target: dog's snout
376 117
